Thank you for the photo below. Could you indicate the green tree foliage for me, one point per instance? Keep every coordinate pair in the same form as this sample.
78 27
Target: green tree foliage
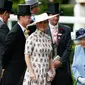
17 1
43 6
15 4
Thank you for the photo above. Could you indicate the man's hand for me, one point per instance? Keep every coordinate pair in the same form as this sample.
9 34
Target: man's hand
2 72
57 63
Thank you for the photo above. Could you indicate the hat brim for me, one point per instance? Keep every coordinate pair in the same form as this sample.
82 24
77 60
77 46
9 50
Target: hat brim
59 13
36 4
22 14
39 3
80 37
11 12
34 23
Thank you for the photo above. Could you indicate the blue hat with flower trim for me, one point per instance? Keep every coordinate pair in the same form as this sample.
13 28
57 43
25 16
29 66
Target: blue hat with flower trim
80 33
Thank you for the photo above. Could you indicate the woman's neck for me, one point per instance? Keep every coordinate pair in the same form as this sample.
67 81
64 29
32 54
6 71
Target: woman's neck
41 29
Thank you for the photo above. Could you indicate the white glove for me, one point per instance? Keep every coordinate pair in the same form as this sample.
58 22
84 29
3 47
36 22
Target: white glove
56 58
81 80
49 75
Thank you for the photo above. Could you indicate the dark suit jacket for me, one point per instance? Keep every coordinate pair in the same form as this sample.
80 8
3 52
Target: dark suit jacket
3 32
13 57
63 73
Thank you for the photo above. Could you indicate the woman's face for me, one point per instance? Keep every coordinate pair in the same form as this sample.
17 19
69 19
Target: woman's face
82 42
42 25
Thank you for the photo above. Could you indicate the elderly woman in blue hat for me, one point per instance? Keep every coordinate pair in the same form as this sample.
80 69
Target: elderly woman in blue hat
78 66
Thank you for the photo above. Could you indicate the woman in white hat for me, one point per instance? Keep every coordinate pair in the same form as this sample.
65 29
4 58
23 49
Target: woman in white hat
79 11
38 54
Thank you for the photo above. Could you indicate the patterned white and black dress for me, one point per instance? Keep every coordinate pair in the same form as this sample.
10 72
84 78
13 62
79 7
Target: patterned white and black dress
38 47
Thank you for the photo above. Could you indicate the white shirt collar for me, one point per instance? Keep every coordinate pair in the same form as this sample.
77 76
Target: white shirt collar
23 28
51 26
33 17
1 19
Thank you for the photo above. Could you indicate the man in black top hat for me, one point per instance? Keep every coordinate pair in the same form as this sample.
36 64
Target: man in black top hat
34 5
61 43
13 57
5 10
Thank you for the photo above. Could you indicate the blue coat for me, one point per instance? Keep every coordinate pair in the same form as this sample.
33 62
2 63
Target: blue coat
78 66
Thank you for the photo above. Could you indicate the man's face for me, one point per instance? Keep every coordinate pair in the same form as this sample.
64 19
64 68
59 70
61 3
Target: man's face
54 20
26 20
6 17
35 10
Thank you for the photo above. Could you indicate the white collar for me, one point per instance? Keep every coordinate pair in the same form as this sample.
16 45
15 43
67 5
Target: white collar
1 19
23 28
33 17
51 26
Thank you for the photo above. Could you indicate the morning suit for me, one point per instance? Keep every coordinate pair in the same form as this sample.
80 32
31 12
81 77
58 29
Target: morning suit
78 66
63 74
3 32
13 56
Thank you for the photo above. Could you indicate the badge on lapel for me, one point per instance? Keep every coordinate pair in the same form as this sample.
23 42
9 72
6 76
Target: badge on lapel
61 31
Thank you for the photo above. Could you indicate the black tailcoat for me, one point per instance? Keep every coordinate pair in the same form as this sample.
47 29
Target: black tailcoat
13 57
3 32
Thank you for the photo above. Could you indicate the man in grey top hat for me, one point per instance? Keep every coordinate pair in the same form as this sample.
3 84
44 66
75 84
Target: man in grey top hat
5 10
34 5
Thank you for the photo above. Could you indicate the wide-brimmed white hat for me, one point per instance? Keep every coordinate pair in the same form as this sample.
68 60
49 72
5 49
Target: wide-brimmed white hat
41 17
80 1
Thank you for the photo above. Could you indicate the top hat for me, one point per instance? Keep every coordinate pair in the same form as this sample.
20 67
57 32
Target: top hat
53 8
6 5
80 34
42 17
80 1
32 3
23 9
2 4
